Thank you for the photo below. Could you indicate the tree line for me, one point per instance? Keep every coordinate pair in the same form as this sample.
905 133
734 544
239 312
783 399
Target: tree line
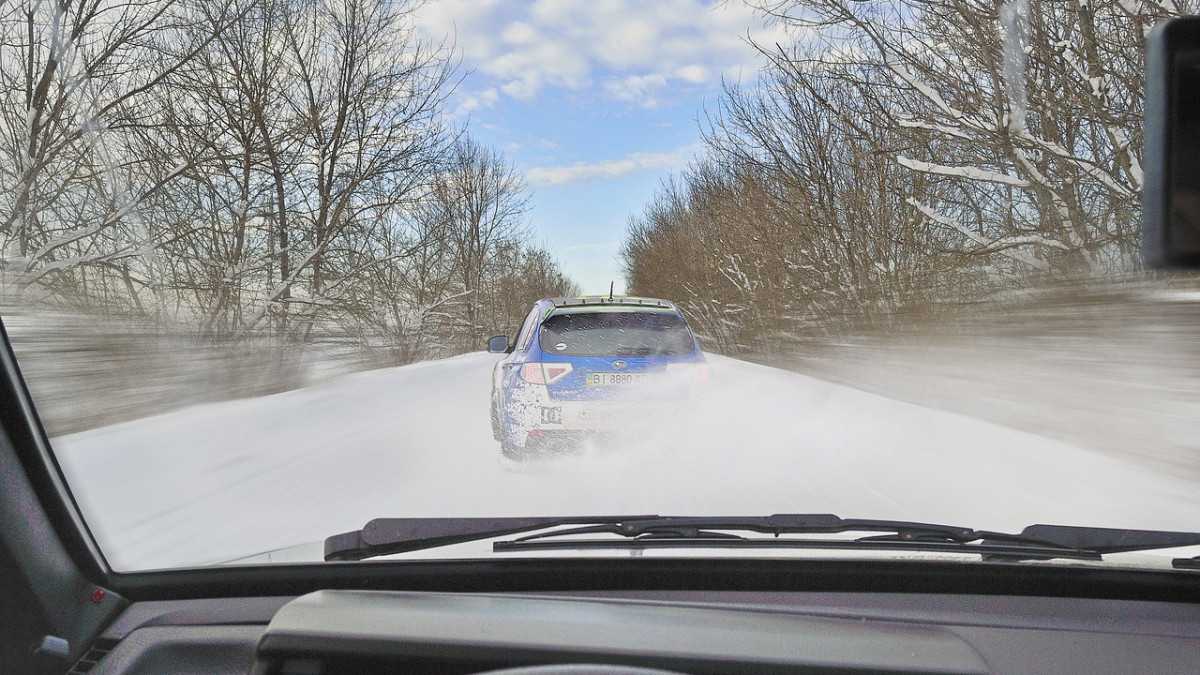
901 159
280 168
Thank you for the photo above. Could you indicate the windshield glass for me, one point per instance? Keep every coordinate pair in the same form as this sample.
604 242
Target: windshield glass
275 268
616 333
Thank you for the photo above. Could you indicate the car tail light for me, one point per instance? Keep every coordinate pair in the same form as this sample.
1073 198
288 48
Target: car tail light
544 373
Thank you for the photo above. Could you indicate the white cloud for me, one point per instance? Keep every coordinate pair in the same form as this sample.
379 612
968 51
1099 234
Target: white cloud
637 50
692 73
519 33
612 168
523 89
484 99
639 89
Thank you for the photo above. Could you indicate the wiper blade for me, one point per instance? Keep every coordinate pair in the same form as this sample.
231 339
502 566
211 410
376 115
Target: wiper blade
780 523
988 552
696 531
384 536
387 536
1192 563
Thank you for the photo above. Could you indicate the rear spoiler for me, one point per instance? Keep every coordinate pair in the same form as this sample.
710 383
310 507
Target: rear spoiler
592 302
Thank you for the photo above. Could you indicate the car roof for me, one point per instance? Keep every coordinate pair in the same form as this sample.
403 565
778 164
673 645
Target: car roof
618 301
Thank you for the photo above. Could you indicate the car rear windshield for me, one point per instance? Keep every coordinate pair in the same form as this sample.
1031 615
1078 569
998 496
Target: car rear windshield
617 334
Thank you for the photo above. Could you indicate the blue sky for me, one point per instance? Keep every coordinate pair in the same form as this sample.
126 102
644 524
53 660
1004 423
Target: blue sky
596 101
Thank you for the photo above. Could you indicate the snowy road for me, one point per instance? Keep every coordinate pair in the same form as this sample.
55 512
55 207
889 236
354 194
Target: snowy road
226 480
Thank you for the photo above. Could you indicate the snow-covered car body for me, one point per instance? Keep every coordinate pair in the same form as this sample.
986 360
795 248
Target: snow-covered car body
582 367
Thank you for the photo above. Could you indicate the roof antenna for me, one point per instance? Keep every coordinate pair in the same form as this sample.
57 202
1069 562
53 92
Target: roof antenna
610 289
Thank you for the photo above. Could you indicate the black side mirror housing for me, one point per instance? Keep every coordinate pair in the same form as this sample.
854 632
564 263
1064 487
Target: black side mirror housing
1171 189
498 344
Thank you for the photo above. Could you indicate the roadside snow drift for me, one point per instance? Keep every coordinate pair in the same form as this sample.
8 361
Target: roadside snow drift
222 481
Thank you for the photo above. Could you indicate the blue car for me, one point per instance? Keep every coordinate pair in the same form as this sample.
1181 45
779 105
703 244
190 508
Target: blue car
583 367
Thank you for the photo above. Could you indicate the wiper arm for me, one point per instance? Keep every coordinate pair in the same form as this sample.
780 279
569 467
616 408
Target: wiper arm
1110 540
384 536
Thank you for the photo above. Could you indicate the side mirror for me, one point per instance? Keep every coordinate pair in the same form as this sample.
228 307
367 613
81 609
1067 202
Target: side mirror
498 344
1171 193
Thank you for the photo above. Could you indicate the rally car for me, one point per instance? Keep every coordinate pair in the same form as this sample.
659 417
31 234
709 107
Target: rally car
589 367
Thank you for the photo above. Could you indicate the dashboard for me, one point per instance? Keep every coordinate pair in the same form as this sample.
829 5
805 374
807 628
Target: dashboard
331 632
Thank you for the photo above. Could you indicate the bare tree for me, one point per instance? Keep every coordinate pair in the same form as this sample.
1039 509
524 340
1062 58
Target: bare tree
1028 113
80 81
904 157
481 200
255 166
368 90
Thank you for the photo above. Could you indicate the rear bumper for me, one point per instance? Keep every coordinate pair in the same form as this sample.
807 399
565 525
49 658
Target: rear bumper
533 411
609 416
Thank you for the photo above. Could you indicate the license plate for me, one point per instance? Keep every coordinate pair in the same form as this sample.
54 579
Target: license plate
613 379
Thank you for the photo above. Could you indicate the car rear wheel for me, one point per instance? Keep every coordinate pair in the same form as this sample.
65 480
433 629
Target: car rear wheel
513 452
497 431
507 448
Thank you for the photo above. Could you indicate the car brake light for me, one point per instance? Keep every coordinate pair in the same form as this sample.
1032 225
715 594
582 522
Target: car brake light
555 371
544 373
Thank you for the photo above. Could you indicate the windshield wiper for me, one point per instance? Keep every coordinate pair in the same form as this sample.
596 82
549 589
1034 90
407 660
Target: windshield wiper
385 536
622 350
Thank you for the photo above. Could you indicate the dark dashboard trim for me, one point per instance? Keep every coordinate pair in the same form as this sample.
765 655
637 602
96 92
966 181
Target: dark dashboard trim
362 630
695 574
1040 613
511 630
19 421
